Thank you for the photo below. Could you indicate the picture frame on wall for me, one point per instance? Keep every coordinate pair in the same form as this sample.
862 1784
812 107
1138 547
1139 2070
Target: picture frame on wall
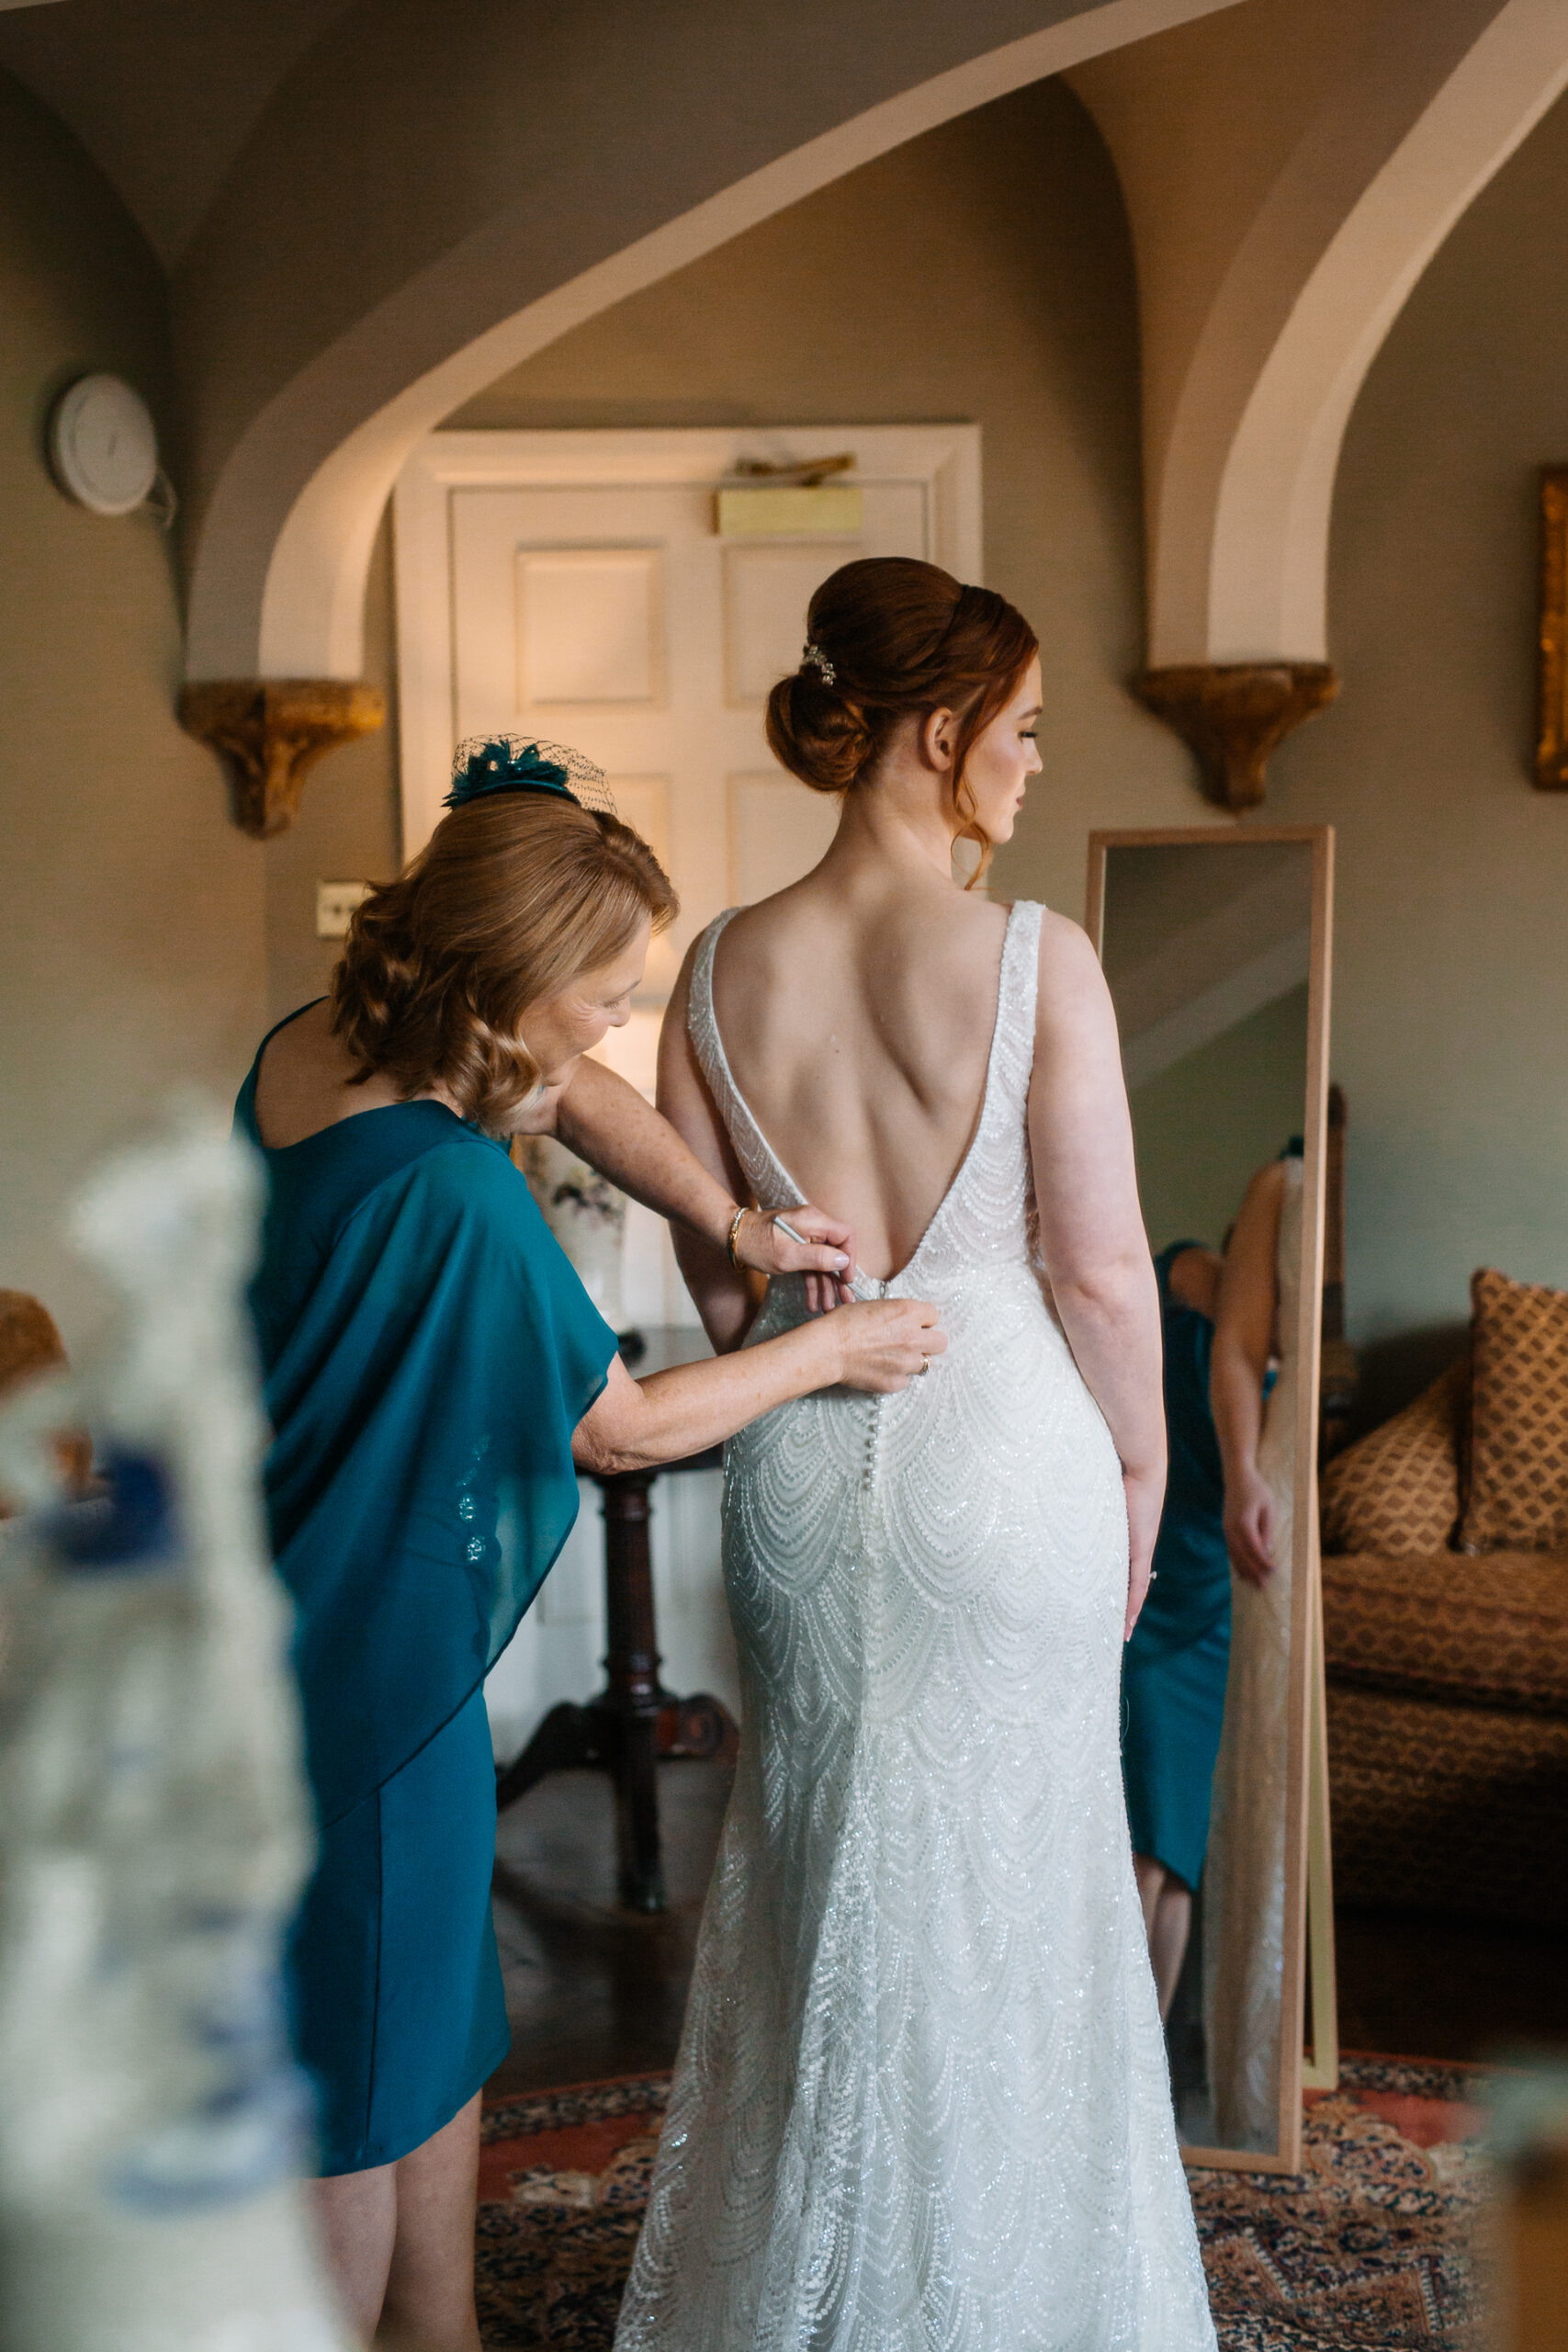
1551 740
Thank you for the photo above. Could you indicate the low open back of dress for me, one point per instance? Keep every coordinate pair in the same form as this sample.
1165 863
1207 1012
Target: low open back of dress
764 1170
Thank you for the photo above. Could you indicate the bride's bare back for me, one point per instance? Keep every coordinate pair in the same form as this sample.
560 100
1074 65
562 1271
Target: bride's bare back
857 1020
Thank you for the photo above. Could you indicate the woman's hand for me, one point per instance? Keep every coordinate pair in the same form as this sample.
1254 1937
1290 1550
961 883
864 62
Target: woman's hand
1250 1520
825 1254
884 1344
1145 1492
880 1345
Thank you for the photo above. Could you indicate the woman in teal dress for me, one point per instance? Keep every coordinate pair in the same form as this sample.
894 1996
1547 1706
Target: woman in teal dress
435 1372
1173 1675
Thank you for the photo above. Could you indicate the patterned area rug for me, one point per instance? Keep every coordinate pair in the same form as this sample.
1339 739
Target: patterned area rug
1370 2249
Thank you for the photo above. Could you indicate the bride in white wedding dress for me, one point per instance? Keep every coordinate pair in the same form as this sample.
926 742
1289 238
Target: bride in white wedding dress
921 2103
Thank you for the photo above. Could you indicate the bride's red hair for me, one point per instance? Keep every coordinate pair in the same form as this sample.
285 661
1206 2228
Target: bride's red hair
899 637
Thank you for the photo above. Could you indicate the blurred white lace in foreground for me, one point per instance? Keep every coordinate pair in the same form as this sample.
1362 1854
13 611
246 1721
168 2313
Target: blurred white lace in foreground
153 1830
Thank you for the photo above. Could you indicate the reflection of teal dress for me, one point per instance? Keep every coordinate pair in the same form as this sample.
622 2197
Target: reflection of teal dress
427 1353
1173 1675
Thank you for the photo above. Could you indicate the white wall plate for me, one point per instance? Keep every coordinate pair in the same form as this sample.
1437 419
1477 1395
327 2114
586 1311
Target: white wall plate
102 445
335 903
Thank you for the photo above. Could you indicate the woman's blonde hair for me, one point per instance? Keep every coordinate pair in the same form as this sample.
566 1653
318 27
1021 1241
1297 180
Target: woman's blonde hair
513 896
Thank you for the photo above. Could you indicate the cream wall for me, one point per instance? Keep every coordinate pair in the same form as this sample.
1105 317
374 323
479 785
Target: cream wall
347 829
1450 1010
131 951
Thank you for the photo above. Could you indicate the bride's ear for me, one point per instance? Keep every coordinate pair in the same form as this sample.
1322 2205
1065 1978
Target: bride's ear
936 741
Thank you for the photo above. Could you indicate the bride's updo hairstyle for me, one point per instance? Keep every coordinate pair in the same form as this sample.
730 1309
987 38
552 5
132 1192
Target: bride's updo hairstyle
512 896
888 636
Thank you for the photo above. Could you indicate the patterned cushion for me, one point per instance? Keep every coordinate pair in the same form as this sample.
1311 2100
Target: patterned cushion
1453 1809
1397 1492
1519 1432
1491 1632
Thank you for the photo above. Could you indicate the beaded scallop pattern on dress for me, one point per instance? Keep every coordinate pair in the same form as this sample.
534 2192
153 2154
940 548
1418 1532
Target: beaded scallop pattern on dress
921 2103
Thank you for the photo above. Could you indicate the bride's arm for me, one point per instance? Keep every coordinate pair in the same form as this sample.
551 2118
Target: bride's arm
1092 1229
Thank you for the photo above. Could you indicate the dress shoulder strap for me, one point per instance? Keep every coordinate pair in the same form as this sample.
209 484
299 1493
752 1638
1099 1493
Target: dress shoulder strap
1012 1050
1021 953
702 1025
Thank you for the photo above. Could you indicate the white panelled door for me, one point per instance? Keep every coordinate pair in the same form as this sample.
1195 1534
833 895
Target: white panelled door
574 586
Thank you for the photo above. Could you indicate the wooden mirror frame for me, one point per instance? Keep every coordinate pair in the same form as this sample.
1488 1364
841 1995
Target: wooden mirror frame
1306 1779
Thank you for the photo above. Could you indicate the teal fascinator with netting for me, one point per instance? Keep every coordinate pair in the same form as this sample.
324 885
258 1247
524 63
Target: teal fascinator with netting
486 764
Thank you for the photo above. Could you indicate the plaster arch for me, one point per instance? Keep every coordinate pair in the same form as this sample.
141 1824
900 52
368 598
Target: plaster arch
657 135
1262 314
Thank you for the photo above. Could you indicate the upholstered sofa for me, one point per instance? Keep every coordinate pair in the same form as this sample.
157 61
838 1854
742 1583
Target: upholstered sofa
1445 1598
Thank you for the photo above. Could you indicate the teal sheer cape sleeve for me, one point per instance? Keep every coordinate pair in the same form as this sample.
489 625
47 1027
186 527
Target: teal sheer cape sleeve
427 1353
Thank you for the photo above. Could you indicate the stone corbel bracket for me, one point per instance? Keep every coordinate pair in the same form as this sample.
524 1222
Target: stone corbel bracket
1233 714
271 732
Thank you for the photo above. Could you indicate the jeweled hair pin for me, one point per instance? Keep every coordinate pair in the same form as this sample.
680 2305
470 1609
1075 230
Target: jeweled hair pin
486 764
815 659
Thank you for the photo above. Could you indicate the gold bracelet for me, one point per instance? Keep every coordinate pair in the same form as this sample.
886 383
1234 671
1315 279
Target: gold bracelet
734 1237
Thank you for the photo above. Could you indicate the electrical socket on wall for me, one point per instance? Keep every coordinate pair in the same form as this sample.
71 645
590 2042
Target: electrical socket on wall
336 902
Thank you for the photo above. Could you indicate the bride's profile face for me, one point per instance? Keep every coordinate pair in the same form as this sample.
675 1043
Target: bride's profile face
1004 758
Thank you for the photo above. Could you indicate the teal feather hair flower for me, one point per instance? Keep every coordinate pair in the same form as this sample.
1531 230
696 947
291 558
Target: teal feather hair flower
488 764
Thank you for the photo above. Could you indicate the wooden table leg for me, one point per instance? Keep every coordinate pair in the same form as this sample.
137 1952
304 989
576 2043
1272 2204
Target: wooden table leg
568 1736
633 1724
630 1704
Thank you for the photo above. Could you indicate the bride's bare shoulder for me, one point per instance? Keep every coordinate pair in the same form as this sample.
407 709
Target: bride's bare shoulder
939 939
1064 945
792 923
1072 985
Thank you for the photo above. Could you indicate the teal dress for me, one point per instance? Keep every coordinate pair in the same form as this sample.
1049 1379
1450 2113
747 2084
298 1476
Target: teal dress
1174 1669
427 1353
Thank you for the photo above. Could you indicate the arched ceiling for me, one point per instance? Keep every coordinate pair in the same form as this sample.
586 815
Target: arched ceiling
163 94
1290 170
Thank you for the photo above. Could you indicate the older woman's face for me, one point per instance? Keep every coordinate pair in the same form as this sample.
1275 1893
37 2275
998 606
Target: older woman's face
560 1029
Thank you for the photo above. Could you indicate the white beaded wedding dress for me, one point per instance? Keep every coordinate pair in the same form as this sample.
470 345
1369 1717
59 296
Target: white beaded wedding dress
922 2100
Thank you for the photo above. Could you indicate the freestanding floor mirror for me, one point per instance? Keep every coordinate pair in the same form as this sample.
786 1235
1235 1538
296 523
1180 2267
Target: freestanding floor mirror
1216 947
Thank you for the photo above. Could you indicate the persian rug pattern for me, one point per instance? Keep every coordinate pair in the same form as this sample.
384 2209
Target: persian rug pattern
1369 2248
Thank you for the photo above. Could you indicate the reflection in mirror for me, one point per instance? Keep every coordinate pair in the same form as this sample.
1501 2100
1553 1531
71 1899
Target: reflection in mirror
1214 946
